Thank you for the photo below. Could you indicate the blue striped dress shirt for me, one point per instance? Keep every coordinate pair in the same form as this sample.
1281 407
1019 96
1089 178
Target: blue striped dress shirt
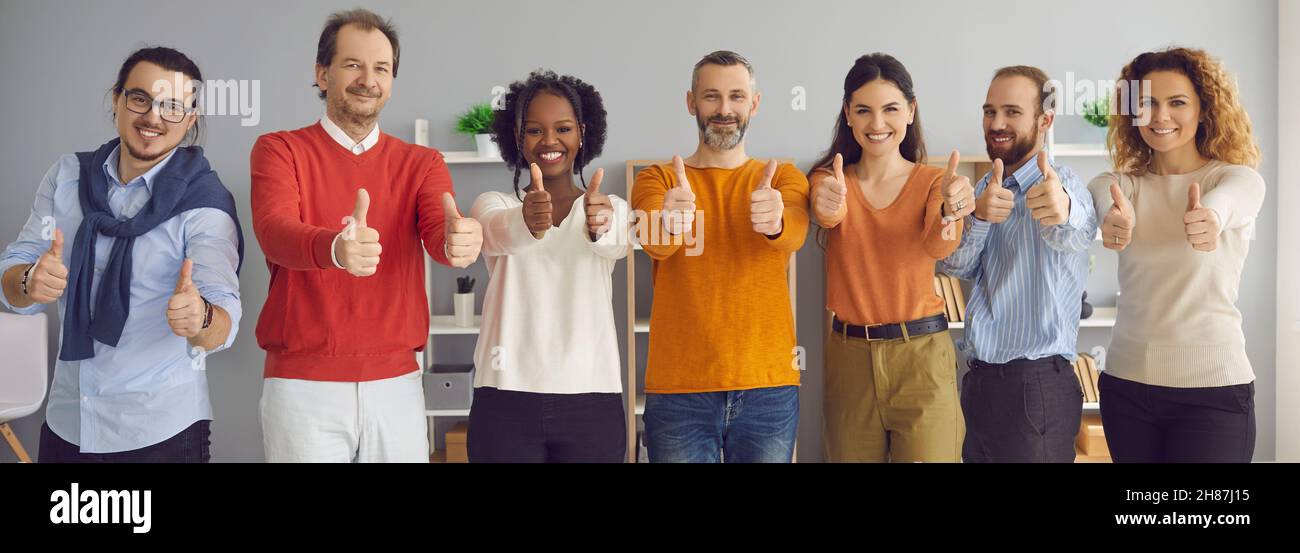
1028 278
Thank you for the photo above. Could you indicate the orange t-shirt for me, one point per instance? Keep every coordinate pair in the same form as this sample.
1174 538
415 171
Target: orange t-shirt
721 317
880 261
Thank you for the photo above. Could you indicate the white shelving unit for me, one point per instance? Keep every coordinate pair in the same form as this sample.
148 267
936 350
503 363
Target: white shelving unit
453 158
1102 317
444 325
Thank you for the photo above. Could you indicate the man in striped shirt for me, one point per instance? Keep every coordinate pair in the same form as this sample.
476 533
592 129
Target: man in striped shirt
1026 249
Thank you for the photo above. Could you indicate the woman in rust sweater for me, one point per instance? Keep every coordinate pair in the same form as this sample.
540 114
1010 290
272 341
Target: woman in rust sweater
890 380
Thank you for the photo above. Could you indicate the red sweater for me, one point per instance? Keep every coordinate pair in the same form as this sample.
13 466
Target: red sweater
319 322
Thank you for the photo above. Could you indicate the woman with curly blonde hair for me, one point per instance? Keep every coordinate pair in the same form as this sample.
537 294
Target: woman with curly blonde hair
1179 208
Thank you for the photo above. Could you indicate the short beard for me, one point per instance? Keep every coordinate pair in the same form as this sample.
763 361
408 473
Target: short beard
146 158
339 105
722 140
1020 148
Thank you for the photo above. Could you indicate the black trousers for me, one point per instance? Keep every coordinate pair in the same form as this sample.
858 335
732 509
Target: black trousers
1160 424
191 445
525 427
1021 411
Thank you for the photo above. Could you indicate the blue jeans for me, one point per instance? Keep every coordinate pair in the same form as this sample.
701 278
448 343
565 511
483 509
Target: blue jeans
742 426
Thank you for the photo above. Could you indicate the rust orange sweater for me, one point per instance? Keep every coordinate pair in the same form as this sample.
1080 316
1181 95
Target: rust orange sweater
721 318
319 322
880 262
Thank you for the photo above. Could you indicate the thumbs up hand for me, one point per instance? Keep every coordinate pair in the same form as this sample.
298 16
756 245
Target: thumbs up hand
537 205
600 210
679 202
958 194
48 277
995 203
1201 223
186 308
463 235
765 205
1047 201
357 248
1117 225
830 196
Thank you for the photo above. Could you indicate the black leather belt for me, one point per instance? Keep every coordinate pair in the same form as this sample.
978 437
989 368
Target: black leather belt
892 331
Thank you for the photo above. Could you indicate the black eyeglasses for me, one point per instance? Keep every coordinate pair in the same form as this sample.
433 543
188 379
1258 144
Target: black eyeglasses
168 109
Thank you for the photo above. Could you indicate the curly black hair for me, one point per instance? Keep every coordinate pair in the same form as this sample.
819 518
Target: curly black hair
508 124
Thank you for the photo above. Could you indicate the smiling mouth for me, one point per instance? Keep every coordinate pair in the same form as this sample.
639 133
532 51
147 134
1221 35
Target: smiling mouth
1000 140
879 136
550 157
148 135
1164 132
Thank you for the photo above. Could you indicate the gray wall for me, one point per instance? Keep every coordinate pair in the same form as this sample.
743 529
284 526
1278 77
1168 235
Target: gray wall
60 57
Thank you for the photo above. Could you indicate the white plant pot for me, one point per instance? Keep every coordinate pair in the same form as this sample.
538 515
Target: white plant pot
463 309
486 147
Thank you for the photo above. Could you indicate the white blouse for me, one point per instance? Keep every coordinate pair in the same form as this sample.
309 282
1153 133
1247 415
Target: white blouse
548 316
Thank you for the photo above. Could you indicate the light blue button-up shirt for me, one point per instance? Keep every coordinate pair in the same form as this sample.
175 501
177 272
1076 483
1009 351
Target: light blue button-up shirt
1028 278
147 389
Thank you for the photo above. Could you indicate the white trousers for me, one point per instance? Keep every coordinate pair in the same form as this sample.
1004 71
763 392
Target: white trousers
307 421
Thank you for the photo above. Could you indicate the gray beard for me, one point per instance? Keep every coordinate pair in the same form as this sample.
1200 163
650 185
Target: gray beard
353 118
722 140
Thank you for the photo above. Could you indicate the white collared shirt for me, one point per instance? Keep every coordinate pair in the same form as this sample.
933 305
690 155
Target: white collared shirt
358 148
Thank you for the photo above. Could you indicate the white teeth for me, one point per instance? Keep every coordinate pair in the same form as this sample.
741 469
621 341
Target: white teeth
1163 131
1002 139
149 134
551 156
879 136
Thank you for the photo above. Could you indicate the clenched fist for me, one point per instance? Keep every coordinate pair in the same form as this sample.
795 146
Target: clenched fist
1047 201
765 205
1201 223
599 208
958 194
463 236
995 203
186 308
679 202
537 205
1117 225
830 196
48 277
357 248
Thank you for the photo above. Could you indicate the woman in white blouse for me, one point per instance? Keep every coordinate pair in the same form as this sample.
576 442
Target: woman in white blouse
547 386
1179 208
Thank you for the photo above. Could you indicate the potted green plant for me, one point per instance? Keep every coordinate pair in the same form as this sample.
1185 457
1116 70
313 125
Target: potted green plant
477 121
1097 112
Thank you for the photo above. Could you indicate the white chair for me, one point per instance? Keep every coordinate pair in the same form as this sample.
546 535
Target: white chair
23 372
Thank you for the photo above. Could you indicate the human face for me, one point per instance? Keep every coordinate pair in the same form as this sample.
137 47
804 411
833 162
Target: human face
1014 121
722 101
552 137
1172 110
879 115
146 136
359 80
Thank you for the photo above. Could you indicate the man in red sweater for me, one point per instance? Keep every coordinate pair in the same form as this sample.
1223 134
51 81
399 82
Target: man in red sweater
341 327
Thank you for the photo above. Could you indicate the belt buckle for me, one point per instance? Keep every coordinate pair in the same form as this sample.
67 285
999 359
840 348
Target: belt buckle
866 333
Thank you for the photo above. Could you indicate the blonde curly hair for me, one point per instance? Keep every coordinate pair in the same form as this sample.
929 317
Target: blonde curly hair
1224 132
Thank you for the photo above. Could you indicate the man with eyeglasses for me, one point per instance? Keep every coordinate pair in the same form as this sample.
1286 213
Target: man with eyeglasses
146 283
